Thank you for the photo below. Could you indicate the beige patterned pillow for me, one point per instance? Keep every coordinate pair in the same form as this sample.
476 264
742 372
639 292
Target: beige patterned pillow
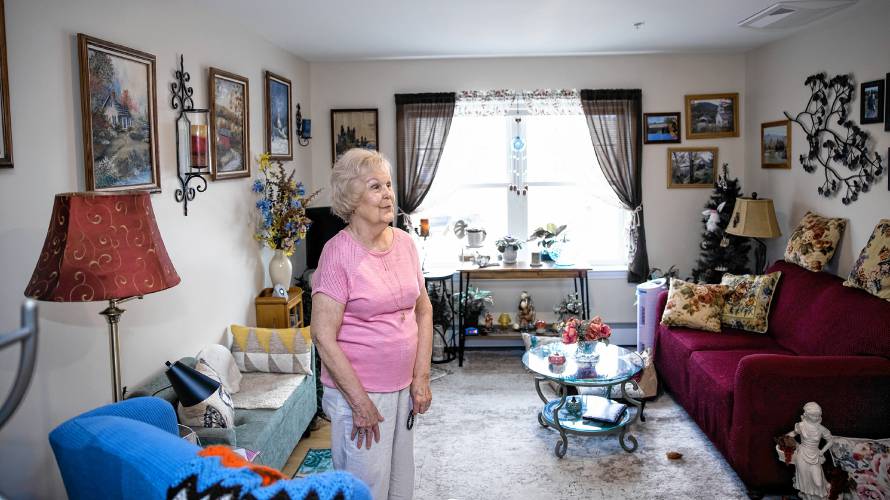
814 241
695 306
872 269
748 300
272 350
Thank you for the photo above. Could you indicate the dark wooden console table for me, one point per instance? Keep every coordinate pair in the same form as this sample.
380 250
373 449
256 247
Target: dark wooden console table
520 271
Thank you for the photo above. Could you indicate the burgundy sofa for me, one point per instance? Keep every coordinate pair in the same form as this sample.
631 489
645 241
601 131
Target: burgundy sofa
826 343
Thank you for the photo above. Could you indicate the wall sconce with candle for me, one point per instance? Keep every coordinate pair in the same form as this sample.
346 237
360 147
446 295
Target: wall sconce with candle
303 128
192 140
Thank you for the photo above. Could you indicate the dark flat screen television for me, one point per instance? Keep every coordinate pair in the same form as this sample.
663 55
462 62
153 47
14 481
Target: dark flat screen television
324 226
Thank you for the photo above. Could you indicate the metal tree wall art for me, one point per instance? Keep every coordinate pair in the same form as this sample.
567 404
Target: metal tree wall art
843 154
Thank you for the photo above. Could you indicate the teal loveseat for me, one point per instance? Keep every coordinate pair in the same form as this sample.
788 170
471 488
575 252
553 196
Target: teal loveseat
273 433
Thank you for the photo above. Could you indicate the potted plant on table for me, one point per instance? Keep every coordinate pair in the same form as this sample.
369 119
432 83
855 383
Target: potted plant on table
508 246
282 215
473 302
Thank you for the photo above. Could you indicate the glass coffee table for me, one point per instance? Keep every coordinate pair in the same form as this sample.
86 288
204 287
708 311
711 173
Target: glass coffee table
613 369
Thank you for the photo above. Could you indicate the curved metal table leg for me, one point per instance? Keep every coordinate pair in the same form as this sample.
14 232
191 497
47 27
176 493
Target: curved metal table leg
563 444
624 436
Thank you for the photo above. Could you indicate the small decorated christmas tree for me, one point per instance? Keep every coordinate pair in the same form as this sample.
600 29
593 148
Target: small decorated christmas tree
721 252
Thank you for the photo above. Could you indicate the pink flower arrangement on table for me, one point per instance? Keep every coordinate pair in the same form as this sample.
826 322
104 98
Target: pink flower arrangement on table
590 331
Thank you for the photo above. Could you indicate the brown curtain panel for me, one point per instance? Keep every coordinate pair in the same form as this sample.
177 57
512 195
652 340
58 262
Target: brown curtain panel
422 125
615 121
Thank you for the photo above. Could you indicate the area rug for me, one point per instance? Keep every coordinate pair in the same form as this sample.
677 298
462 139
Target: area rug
317 460
481 439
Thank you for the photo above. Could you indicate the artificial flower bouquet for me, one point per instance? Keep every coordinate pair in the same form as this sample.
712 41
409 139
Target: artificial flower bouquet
593 330
282 206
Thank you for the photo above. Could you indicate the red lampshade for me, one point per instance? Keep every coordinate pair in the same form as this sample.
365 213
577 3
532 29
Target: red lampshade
101 246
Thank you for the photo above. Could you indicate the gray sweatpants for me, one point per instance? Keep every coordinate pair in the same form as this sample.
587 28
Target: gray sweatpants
388 467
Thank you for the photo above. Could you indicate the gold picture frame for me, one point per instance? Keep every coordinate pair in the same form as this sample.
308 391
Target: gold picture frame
118 101
5 116
712 116
775 144
691 167
229 124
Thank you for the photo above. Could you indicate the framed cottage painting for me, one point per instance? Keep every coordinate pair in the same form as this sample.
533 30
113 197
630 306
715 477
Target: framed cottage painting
775 144
5 117
353 128
119 113
691 167
710 116
279 143
229 124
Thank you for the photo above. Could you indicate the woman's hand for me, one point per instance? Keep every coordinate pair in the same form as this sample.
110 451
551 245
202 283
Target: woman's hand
421 395
365 420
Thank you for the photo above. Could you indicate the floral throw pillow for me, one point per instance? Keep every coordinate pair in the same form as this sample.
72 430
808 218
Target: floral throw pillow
866 462
872 269
814 241
748 300
693 305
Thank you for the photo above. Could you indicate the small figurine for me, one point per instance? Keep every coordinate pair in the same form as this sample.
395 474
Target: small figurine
504 320
807 458
526 313
489 322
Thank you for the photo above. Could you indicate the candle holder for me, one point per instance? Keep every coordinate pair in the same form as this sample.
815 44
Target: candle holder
302 128
192 140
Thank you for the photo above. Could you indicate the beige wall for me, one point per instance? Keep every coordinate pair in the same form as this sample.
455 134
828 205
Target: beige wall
855 41
672 215
212 249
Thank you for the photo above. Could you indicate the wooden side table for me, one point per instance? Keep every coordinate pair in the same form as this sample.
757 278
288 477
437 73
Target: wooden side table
276 312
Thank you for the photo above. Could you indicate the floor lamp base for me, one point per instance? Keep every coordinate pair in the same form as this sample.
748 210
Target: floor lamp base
113 314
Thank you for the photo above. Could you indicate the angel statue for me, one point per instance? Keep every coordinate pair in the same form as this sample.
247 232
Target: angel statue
807 458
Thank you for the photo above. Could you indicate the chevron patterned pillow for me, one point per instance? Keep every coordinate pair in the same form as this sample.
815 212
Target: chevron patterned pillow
280 350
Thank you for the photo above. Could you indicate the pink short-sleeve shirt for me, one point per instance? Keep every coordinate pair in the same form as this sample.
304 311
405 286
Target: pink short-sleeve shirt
378 334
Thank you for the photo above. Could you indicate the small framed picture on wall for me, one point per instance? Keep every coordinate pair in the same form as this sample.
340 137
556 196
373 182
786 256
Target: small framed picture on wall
352 128
775 144
691 167
120 117
229 124
711 116
279 142
662 128
887 105
5 118
871 102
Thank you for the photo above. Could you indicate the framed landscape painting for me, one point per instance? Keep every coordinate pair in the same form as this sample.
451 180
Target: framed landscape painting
279 143
5 117
352 128
871 102
775 144
662 128
710 116
229 124
119 114
691 167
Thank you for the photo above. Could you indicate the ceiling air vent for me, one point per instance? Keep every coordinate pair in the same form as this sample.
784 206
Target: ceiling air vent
795 14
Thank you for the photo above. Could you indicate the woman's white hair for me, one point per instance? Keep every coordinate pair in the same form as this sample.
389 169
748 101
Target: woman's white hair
346 179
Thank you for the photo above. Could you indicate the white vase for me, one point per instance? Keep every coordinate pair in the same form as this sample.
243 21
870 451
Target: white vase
509 255
280 269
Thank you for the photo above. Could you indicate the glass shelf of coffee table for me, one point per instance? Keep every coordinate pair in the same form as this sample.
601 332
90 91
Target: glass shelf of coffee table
614 368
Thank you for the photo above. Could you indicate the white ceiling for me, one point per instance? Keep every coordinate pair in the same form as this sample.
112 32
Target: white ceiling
351 30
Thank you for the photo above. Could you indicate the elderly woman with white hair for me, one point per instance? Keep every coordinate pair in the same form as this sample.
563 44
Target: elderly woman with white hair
372 324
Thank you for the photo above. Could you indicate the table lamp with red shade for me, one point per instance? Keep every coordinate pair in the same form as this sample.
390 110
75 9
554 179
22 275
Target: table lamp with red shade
102 246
